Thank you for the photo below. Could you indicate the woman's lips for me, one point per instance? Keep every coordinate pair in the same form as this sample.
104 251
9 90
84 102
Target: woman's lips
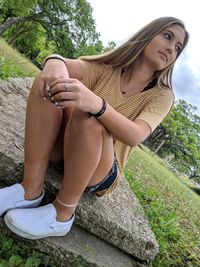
163 56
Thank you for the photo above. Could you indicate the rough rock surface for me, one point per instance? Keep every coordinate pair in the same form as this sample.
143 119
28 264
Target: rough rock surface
117 218
78 249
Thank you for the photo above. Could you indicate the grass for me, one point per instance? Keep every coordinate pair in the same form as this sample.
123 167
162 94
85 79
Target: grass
12 254
14 64
171 207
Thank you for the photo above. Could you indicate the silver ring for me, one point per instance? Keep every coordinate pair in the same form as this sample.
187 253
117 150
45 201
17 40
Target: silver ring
66 86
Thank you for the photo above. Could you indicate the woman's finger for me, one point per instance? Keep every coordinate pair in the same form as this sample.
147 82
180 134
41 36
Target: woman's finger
61 87
66 103
63 96
62 80
46 91
40 83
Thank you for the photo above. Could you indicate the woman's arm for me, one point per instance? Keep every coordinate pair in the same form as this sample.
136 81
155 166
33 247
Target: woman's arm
55 68
129 132
77 95
55 73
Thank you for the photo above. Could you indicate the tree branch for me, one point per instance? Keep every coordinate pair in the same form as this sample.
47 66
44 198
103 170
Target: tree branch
9 22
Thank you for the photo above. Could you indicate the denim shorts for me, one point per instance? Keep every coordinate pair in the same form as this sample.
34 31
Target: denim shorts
110 181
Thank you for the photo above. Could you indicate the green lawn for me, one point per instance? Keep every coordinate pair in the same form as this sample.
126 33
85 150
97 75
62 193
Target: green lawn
172 207
14 64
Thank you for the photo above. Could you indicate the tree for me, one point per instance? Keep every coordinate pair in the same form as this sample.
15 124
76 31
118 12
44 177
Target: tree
12 13
64 26
111 45
181 132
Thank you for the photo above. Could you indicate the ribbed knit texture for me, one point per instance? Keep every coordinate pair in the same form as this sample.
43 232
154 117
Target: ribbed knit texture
151 106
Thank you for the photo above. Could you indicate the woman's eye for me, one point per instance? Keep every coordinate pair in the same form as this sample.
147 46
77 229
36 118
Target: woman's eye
178 49
167 36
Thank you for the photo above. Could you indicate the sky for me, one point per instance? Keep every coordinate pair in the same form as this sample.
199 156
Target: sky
118 20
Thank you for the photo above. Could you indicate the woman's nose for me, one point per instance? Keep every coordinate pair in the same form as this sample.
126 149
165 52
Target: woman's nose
169 49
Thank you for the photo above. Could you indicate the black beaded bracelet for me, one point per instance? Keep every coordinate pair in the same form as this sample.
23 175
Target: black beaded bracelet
103 109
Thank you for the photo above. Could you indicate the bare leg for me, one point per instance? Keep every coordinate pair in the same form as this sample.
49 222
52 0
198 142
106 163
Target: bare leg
88 157
88 150
43 122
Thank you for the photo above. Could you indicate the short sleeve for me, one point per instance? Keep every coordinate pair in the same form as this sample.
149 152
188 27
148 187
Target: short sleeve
92 72
158 108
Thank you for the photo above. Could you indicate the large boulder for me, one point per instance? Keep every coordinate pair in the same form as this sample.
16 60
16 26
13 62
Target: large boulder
116 218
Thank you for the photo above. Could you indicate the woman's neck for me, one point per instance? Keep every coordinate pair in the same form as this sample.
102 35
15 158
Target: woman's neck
135 78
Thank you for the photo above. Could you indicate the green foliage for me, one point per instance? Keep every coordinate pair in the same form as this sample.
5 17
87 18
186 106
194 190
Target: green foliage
56 26
111 45
181 132
26 42
22 8
171 207
8 69
14 255
13 64
183 127
85 49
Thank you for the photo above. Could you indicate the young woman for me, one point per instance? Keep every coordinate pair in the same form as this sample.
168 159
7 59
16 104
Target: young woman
91 112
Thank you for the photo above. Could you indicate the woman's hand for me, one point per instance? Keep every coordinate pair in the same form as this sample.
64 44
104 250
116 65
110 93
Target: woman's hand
53 70
70 92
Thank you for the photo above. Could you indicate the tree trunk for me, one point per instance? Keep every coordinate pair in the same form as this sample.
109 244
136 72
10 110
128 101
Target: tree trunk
192 176
161 144
9 22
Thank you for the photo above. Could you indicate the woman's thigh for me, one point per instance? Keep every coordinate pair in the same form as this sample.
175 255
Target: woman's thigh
106 160
107 151
57 151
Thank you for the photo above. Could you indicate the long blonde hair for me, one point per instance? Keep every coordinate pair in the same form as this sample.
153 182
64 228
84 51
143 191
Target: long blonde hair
125 55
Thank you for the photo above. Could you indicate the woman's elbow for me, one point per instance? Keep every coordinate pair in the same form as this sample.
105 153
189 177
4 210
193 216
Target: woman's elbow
135 141
132 142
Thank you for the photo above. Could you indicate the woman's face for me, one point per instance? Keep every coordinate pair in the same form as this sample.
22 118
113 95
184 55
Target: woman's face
164 47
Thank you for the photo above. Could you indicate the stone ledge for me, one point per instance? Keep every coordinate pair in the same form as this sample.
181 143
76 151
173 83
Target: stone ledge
78 248
117 218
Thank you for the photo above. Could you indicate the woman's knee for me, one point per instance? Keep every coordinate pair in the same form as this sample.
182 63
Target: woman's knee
81 121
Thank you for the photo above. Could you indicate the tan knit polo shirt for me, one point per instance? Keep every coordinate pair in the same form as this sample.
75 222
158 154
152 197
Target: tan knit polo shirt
151 106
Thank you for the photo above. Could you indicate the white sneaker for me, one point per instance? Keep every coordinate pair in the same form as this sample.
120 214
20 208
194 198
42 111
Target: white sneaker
12 197
37 223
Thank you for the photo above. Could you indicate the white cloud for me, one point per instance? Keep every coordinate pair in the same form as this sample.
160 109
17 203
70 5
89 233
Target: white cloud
186 84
